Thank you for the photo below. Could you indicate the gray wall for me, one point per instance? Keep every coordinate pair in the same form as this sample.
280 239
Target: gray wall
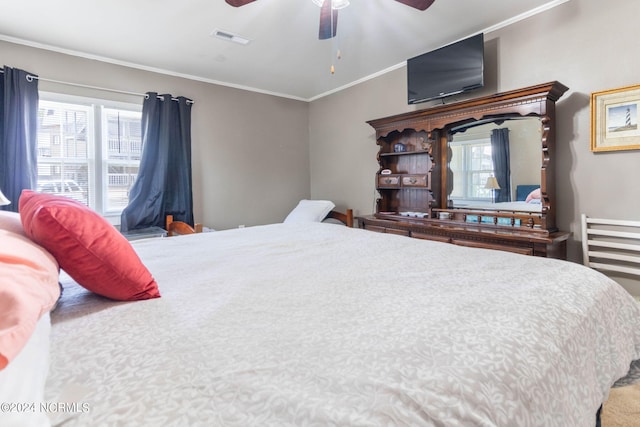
587 45
256 155
250 151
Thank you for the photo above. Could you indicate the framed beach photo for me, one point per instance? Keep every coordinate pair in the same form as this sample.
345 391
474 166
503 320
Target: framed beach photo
614 119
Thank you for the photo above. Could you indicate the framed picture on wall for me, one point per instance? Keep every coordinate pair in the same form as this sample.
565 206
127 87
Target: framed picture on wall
614 119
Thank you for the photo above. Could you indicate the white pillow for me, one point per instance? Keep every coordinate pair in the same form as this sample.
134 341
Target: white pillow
310 211
332 221
22 381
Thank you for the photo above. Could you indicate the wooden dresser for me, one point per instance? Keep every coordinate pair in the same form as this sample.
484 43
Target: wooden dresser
553 245
425 192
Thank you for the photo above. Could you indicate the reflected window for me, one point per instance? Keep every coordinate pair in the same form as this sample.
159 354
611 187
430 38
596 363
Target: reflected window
471 164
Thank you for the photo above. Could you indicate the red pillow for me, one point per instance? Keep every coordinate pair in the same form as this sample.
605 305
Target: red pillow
86 246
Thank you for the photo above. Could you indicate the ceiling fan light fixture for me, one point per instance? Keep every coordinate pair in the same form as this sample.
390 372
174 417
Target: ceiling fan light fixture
335 4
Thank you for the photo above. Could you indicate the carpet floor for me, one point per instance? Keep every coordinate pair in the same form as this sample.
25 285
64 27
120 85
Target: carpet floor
622 409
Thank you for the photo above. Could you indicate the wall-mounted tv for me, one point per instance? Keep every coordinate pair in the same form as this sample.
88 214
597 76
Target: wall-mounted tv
449 70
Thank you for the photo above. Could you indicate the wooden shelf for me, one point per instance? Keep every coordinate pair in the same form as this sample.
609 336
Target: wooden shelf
425 134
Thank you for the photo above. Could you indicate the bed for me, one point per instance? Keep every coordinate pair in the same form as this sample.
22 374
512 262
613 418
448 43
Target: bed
517 206
527 200
310 323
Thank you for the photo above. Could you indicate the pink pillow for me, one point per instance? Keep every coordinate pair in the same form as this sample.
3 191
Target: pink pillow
10 221
86 246
28 289
535 194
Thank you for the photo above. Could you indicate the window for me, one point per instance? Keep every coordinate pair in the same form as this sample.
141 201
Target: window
123 133
471 167
89 150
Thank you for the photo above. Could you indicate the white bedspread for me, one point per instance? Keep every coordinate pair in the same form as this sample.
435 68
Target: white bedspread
501 206
322 325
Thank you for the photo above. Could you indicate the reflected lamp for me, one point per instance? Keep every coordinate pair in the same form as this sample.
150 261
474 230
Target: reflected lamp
492 184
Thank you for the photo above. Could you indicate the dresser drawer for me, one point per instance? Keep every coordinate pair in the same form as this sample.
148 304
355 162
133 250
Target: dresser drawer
462 234
375 228
414 180
486 245
435 237
388 181
397 231
380 229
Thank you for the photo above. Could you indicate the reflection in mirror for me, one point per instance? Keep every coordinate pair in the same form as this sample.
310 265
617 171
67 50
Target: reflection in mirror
507 150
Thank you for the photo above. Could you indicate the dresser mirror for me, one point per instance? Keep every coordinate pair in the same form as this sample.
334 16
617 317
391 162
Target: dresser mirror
465 181
495 165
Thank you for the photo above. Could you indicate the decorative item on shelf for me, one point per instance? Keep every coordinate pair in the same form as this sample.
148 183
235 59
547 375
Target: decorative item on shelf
415 214
444 215
492 184
505 221
385 172
424 145
3 200
485 219
399 148
473 219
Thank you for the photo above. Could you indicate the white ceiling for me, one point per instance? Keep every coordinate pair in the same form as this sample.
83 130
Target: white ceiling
284 56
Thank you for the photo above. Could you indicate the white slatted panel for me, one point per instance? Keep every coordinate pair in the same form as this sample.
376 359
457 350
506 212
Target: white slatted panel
611 245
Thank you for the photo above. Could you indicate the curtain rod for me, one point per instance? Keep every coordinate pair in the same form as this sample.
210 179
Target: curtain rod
31 77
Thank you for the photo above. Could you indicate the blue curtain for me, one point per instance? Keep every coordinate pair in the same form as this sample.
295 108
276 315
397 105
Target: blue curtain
501 164
163 186
18 129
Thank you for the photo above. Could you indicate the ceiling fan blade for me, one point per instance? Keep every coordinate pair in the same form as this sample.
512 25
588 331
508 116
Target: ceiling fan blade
418 4
238 3
327 27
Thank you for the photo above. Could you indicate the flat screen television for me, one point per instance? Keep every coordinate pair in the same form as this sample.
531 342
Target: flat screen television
449 70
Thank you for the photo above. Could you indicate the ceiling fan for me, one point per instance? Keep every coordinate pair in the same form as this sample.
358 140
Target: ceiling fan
329 14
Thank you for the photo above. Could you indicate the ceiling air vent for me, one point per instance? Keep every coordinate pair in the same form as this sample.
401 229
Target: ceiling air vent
230 37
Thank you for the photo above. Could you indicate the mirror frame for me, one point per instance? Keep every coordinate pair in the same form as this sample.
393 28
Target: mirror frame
535 101
538 101
482 129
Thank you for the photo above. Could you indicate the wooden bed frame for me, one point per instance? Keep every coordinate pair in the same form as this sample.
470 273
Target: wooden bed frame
346 218
179 227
